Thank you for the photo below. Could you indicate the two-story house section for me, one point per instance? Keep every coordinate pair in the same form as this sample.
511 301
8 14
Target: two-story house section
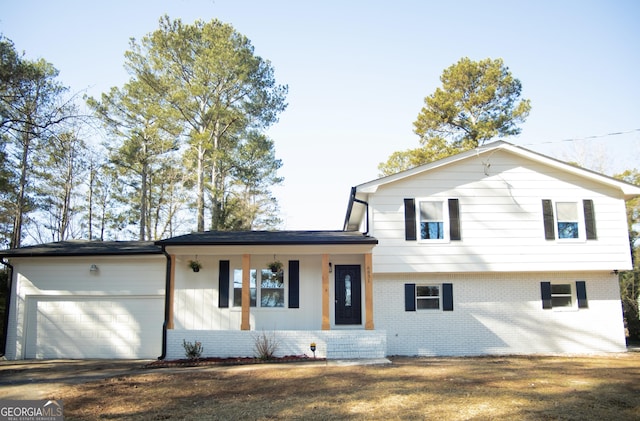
497 250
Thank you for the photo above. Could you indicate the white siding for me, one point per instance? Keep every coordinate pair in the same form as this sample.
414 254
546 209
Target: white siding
196 294
500 314
501 220
121 283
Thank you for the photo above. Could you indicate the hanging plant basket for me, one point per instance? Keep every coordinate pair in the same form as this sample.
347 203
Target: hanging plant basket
275 266
195 265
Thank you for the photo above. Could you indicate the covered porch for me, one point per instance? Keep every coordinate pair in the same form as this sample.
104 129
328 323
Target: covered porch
321 292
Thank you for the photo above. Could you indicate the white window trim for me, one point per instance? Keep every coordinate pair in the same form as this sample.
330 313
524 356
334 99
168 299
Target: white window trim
429 298
582 233
445 216
258 287
574 297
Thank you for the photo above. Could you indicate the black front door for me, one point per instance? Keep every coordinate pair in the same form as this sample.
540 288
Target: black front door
348 300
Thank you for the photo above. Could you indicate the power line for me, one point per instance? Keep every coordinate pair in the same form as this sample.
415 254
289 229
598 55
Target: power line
583 138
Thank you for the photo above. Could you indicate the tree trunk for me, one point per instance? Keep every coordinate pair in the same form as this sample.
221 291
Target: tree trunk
200 187
16 235
143 203
68 187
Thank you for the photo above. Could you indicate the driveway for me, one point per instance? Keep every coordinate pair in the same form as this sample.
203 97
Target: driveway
39 379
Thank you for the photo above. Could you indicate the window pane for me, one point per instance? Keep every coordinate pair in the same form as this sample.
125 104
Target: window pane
561 301
431 230
560 289
431 211
567 230
561 295
427 291
428 303
237 287
271 280
272 297
567 211
271 288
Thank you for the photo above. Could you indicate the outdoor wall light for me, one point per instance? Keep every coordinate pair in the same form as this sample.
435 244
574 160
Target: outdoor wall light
330 267
93 268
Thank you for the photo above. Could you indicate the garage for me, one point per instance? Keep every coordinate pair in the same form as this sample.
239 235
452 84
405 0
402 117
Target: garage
86 299
94 327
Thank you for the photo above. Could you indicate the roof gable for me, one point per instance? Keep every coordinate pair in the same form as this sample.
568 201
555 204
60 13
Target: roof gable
358 199
629 190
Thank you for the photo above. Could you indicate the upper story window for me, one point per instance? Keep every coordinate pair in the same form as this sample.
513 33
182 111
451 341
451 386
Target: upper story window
432 220
569 220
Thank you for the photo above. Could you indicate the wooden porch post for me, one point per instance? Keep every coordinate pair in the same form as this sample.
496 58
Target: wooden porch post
368 291
172 286
246 293
326 324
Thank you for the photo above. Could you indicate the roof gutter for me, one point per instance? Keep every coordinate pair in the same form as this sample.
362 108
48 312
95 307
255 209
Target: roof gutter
167 308
5 332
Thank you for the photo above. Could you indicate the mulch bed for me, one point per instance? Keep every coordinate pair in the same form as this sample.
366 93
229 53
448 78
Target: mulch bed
230 361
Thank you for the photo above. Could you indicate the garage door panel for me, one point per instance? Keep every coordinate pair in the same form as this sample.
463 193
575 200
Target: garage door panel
94 327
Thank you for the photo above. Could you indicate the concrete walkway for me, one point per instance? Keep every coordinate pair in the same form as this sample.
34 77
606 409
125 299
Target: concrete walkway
38 379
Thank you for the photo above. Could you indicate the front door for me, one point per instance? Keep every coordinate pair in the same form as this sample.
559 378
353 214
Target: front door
348 300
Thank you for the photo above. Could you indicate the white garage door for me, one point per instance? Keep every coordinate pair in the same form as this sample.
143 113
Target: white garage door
94 327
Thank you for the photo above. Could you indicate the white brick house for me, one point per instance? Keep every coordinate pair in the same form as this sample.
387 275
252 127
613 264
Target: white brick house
498 250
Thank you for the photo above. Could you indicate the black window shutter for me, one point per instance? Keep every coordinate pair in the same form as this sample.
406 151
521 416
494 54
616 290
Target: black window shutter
547 214
410 220
454 219
294 284
581 292
447 297
409 297
223 284
545 291
589 219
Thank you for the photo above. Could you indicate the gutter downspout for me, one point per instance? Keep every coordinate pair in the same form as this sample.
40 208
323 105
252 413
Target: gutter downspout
166 304
352 200
5 333
366 212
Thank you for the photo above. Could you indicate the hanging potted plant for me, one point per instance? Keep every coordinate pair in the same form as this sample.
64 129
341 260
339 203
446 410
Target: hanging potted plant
275 266
195 265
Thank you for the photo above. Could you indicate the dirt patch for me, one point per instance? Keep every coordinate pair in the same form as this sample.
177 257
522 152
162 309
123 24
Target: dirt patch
529 388
213 361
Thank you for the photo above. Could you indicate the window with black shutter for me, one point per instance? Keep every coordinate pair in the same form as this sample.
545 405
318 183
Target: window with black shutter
294 284
223 284
410 220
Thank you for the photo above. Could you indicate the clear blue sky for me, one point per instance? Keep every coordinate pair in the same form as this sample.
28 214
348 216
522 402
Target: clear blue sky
358 72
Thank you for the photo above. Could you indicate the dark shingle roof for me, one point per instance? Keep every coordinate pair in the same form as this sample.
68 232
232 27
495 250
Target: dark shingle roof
209 238
85 248
218 238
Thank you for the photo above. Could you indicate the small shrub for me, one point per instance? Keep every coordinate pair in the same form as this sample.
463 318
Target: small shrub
265 345
193 351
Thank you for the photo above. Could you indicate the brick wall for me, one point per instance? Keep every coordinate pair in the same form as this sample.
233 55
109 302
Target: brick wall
335 344
500 314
